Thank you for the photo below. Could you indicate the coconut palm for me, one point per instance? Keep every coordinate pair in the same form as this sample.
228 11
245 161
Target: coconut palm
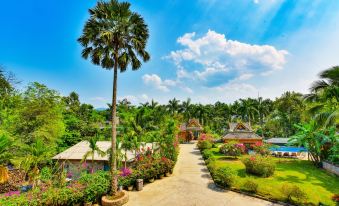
173 106
247 109
324 98
114 37
93 148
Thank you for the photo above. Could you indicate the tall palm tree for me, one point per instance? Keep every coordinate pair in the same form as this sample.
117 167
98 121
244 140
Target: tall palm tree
185 108
324 97
93 148
173 106
263 108
114 37
247 109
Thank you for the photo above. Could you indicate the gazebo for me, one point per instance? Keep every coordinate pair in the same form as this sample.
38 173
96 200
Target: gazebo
242 133
190 130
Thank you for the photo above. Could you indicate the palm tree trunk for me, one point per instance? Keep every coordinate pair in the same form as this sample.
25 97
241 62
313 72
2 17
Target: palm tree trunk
114 182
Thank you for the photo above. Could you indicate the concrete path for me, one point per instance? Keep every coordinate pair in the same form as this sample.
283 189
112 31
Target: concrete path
189 185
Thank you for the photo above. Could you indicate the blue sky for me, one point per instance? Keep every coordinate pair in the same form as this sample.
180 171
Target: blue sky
207 50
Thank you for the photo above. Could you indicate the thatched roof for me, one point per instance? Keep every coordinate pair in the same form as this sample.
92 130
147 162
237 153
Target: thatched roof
78 151
242 135
234 126
241 131
193 124
277 140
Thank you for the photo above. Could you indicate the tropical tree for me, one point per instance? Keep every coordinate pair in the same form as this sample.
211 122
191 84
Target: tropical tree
317 140
324 98
93 148
247 109
173 106
114 37
33 157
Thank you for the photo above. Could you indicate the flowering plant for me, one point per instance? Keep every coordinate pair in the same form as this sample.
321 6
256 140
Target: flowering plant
232 149
125 171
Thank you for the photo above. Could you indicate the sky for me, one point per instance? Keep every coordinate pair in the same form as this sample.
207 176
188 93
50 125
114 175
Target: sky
206 50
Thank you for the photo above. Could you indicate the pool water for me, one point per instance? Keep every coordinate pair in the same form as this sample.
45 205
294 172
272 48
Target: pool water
288 149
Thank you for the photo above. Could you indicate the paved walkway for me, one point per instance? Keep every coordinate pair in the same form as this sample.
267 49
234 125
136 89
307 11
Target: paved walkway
189 185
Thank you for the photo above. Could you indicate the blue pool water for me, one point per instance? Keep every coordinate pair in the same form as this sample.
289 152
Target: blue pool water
288 149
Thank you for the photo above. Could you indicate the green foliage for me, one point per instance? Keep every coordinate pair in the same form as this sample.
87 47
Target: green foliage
250 186
320 142
232 149
206 154
204 144
291 192
259 165
96 185
46 174
224 176
5 144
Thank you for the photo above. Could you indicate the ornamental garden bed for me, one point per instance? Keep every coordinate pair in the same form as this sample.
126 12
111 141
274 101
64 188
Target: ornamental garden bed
291 175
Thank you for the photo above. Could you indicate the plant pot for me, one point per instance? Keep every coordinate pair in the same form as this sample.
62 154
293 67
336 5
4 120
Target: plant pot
130 188
88 204
120 188
151 180
161 176
167 174
139 184
121 200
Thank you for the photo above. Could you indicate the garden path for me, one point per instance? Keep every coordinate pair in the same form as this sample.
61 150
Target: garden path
190 185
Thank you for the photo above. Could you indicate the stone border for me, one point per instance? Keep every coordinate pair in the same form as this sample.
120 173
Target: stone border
331 167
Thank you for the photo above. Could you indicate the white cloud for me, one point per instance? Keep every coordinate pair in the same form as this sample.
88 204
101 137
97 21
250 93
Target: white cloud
216 54
157 82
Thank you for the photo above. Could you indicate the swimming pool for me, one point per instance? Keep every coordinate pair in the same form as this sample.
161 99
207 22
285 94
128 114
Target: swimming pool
288 149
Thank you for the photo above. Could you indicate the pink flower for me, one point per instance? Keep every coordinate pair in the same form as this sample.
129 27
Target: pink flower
125 171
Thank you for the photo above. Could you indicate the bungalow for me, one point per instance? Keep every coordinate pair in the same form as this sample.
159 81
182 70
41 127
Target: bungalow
71 159
242 133
190 130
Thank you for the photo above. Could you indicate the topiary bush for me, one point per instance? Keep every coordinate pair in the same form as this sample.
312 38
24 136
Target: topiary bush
224 176
232 149
259 165
250 186
291 192
204 144
96 185
206 154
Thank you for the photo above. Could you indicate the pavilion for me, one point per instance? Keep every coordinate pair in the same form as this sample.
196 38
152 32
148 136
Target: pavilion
242 133
190 130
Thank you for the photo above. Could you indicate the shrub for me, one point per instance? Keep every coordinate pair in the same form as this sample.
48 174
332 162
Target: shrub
261 148
232 149
96 184
206 154
250 186
292 191
204 144
224 176
259 165
46 174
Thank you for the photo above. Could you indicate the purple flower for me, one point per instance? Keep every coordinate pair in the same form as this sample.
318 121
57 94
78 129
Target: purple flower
11 193
125 171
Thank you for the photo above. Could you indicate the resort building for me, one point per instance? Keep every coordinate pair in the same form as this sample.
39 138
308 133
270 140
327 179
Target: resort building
280 141
242 133
71 159
190 130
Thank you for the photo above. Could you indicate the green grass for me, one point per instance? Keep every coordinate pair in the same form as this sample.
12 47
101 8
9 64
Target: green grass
319 185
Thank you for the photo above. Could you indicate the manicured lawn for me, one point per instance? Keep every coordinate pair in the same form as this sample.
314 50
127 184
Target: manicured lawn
319 185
